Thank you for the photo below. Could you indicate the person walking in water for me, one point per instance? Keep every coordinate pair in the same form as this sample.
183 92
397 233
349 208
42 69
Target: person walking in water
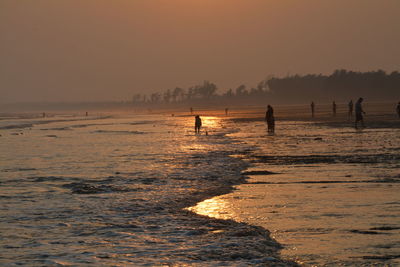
359 113
197 124
334 108
398 109
350 108
269 117
312 109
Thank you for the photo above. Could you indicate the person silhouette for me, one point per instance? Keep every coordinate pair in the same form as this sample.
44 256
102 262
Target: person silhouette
350 108
269 117
334 108
191 110
197 124
398 109
226 111
359 112
312 109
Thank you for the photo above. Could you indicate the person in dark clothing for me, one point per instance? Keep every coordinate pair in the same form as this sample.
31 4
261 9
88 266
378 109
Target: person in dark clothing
359 112
269 117
226 111
398 109
197 124
312 109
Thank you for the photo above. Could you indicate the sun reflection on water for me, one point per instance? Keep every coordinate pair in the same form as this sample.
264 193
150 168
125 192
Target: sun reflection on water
208 122
210 125
214 207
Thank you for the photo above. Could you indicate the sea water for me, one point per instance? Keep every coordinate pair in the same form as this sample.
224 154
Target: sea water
121 189
112 190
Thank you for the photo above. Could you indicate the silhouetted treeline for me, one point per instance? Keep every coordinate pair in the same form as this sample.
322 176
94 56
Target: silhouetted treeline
341 85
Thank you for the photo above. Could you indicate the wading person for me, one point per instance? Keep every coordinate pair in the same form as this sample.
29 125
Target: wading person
197 124
359 113
269 117
398 109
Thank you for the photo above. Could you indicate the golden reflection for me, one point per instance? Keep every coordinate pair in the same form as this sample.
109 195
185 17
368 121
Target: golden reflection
209 123
214 207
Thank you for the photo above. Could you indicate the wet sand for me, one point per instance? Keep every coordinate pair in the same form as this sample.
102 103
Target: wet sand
327 192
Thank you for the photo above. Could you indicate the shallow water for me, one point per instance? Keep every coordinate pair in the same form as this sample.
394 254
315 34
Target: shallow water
111 191
330 195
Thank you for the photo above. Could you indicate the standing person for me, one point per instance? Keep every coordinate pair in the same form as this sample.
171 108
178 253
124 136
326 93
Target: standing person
334 108
312 109
359 112
191 111
269 117
226 111
398 109
197 124
350 108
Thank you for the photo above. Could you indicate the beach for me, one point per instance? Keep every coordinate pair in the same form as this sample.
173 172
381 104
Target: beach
145 190
327 192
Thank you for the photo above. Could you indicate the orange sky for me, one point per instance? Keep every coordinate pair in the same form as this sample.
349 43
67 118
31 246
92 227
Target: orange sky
108 50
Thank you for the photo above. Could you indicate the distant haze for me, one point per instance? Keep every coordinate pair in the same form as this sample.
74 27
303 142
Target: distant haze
94 50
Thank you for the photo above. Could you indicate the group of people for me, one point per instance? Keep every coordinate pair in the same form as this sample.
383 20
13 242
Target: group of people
270 119
358 111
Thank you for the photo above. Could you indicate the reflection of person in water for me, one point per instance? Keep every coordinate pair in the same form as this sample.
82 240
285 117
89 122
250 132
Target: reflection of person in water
312 109
197 124
350 108
269 117
359 112
334 108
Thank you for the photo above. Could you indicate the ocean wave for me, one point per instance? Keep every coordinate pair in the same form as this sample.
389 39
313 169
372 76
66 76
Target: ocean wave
86 188
118 132
16 126
57 129
328 159
30 124
18 169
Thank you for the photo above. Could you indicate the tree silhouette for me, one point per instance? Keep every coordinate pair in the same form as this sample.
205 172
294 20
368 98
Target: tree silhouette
341 85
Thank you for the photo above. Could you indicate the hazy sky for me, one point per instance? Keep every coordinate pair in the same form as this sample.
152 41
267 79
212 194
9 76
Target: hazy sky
84 50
